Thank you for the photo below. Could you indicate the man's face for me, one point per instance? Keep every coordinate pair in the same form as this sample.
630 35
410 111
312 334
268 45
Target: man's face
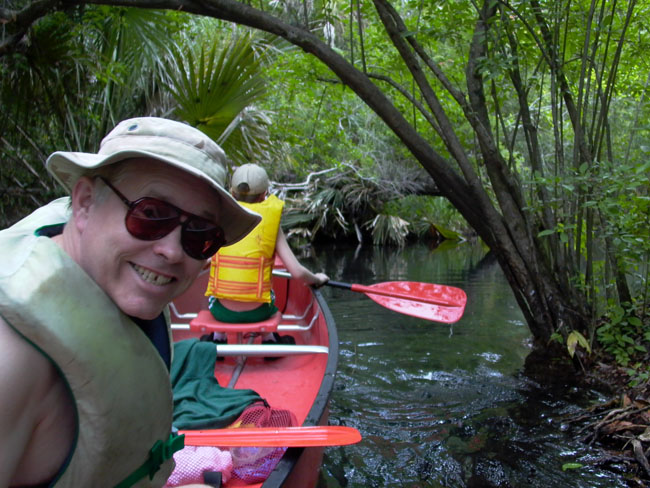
140 276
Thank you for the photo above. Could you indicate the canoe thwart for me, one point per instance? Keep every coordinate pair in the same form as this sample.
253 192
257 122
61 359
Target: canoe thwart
268 350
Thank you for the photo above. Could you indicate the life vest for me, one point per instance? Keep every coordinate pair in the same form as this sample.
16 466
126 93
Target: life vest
242 271
118 380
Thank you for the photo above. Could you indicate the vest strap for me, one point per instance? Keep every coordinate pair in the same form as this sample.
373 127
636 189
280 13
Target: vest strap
158 454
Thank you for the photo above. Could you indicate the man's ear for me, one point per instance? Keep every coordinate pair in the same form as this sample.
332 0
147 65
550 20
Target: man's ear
83 198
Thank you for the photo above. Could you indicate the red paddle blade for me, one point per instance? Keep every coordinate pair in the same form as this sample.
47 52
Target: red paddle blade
428 301
307 436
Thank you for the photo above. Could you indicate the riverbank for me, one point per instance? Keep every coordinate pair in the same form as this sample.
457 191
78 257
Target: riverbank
621 426
618 430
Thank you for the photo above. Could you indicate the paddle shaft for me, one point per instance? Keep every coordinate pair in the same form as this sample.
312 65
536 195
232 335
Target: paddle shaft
306 436
373 291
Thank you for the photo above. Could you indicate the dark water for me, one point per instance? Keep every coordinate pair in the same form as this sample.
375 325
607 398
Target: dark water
440 405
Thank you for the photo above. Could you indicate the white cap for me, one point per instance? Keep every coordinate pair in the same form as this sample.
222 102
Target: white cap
250 179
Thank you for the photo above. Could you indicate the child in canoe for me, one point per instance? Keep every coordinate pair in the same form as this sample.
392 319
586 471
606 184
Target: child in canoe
239 289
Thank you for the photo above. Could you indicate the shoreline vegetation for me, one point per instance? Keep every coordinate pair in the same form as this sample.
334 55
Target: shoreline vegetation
618 428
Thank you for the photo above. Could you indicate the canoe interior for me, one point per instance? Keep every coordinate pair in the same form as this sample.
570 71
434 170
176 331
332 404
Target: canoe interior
300 383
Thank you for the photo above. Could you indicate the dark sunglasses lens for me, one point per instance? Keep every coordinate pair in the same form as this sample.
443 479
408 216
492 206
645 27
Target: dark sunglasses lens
201 239
151 219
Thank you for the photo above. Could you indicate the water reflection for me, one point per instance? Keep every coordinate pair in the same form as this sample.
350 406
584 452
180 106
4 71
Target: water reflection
440 405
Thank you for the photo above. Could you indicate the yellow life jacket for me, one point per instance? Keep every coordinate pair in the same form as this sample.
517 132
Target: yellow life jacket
242 271
118 380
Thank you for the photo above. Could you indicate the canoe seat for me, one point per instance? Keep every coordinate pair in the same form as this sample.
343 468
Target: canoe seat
205 322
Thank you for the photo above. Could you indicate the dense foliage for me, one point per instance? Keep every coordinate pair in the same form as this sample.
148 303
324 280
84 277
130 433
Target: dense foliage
66 83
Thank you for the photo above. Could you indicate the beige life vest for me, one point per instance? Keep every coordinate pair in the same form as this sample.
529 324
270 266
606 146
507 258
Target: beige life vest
119 382
242 271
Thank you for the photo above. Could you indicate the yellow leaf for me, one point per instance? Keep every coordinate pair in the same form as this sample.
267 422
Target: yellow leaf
574 339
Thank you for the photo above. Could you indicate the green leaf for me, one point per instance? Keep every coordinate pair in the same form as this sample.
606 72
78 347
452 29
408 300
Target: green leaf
567 466
215 86
627 339
635 321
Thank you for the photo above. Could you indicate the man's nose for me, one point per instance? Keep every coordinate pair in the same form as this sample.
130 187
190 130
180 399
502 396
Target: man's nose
170 246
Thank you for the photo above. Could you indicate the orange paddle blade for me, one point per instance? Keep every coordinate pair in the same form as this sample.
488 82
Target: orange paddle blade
306 436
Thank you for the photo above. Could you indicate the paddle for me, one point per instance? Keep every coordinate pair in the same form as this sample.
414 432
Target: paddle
306 436
439 303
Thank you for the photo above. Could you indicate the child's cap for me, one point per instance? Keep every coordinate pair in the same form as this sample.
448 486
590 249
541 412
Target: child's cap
250 179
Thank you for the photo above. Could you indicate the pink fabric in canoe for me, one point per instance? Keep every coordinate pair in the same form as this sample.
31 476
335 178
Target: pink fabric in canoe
193 461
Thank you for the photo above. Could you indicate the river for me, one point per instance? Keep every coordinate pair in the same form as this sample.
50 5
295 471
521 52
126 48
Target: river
440 405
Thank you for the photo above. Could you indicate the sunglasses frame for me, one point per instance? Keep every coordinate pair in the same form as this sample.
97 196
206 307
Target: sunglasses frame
183 223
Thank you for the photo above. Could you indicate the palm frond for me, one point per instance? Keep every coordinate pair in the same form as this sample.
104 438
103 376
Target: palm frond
212 90
247 137
388 228
215 86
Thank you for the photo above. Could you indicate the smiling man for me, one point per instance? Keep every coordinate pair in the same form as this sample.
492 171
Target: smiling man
85 348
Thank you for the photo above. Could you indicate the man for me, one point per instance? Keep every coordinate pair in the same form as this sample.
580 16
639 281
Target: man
85 346
239 288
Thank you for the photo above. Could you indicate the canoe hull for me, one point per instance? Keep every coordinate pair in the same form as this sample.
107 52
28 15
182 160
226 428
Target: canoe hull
302 383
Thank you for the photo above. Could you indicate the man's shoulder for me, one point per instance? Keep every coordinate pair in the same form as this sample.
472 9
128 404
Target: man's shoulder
272 199
56 212
18 241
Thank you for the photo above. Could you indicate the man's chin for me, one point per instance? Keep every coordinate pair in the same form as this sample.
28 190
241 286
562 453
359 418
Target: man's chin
147 316
142 311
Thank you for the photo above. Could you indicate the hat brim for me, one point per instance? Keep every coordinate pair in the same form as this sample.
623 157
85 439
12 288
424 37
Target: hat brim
68 167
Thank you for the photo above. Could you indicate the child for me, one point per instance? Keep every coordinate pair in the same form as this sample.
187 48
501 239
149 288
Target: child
240 274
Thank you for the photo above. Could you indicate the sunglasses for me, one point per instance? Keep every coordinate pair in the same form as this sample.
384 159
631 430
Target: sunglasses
150 219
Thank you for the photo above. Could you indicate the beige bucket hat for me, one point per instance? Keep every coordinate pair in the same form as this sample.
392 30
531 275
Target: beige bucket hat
171 142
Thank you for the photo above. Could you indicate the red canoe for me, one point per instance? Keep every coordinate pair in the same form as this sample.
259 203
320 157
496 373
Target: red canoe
301 380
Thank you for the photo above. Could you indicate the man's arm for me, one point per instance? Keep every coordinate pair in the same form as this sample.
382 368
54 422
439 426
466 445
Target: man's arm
29 388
